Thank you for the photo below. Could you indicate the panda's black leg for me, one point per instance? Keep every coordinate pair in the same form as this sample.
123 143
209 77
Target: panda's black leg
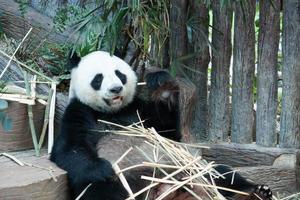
105 190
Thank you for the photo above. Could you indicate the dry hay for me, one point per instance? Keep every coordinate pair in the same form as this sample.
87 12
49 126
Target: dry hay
183 169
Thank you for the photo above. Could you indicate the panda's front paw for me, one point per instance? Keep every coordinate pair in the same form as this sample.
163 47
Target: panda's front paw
104 170
264 192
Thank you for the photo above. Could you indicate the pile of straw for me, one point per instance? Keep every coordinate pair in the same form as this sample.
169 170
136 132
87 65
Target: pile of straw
180 161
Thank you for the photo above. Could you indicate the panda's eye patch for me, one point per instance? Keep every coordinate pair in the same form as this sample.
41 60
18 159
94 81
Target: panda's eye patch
121 76
97 81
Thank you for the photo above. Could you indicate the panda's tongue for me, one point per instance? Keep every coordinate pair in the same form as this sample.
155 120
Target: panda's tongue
117 98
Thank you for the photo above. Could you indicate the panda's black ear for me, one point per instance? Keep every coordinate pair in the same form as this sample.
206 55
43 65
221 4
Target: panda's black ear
74 59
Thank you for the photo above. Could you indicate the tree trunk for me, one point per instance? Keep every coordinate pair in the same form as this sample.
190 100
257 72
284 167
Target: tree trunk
243 72
16 26
290 116
178 33
268 40
199 65
219 92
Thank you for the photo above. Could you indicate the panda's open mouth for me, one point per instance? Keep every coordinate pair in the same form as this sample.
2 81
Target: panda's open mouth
115 101
117 98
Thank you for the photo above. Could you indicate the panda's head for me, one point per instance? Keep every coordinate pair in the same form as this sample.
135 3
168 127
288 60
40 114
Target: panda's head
104 82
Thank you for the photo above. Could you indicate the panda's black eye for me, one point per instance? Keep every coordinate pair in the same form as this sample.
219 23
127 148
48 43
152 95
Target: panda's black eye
97 81
121 76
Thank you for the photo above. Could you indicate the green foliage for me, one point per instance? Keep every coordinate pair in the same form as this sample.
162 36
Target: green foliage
54 58
68 15
23 5
112 24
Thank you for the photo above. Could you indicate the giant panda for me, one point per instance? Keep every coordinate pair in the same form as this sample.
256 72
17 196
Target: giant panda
104 87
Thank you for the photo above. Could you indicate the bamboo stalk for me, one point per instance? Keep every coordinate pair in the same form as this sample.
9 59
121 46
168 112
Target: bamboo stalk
51 118
33 87
12 158
179 155
184 187
164 178
30 117
82 193
16 90
12 56
24 99
27 67
46 119
123 180
194 184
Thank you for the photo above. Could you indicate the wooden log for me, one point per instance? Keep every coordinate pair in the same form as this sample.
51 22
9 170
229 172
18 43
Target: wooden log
19 137
280 180
26 182
244 155
16 26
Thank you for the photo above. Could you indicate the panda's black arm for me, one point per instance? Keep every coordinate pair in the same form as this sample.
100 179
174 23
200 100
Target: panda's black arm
81 167
74 149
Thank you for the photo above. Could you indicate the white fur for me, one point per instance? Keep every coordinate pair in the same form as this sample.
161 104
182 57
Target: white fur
100 62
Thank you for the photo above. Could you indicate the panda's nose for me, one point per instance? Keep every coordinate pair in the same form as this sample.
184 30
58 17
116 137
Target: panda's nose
116 90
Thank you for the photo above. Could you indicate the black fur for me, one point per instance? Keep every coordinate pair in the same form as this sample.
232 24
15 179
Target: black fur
97 81
75 150
75 147
121 76
74 60
232 180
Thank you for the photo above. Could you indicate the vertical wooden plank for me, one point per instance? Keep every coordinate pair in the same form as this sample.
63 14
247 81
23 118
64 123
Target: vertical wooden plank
268 40
221 55
178 33
198 66
290 115
243 72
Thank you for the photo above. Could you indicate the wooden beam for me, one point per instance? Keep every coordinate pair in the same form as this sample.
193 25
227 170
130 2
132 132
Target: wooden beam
281 180
239 155
16 26
27 182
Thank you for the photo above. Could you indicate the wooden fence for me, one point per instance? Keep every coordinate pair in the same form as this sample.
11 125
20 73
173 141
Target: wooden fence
255 64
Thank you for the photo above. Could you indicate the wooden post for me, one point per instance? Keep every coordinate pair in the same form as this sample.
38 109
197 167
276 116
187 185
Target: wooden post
290 115
198 66
178 33
267 78
221 55
15 25
243 72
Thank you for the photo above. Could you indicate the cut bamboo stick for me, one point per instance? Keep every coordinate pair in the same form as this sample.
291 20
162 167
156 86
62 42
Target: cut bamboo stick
30 117
24 99
51 118
46 119
13 55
